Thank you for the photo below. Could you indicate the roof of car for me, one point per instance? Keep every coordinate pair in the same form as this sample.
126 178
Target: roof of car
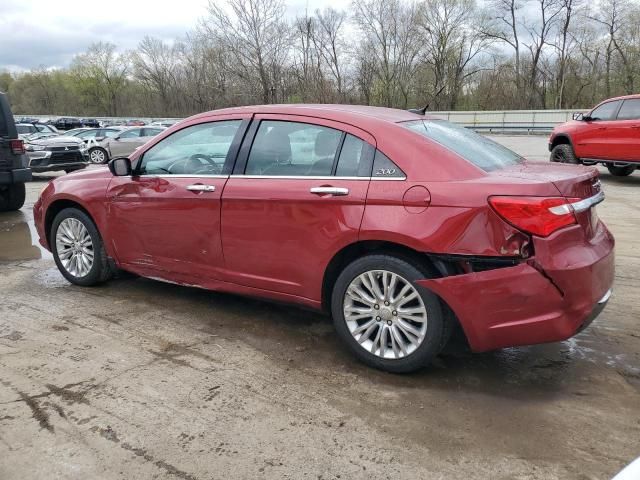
328 111
623 97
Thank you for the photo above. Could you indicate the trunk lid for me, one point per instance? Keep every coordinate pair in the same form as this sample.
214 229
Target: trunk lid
573 182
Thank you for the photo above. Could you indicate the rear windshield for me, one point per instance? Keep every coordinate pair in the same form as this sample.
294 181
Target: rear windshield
477 149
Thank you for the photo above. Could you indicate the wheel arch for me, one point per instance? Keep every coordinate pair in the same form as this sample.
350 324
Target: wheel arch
562 139
353 251
56 207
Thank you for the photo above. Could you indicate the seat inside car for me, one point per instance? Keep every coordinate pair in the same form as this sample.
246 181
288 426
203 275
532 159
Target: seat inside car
271 154
324 149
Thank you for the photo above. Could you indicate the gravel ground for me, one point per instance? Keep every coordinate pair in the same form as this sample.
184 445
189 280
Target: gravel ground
141 379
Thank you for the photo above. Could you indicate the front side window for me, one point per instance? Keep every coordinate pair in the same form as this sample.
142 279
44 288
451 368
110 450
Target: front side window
87 134
293 149
196 150
110 133
473 147
606 111
630 109
151 132
135 133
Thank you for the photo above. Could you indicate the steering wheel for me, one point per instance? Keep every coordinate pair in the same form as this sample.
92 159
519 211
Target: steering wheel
194 165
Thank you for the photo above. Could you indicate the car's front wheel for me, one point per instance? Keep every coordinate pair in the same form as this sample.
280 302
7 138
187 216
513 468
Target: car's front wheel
563 154
98 155
385 318
621 171
78 249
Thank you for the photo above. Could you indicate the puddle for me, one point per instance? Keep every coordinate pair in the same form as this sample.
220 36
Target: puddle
19 239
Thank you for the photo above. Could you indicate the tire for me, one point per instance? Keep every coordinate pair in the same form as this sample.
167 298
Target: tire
417 354
621 171
100 270
12 198
563 153
98 156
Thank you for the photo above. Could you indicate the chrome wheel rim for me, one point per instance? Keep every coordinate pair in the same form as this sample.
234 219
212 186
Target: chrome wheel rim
96 156
74 247
385 314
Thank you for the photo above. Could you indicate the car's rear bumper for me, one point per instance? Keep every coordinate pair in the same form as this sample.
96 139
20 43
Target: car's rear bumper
541 300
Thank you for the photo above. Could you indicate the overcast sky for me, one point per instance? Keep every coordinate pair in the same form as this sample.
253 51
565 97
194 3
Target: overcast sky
50 33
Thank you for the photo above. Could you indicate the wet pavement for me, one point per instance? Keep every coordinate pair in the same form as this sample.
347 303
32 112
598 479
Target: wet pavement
141 379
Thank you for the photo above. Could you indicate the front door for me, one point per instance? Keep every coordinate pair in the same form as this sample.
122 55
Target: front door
164 220
595 139
296 197
627 130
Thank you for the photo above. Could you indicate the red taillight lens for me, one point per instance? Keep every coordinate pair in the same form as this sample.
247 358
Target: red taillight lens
17 147
535 215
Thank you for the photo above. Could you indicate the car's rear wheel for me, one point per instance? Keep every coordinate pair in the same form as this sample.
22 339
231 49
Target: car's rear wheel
12 197
563 154
98 155
78 249
385 318
621 171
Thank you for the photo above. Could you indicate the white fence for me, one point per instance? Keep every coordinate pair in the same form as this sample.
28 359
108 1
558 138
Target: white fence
505 121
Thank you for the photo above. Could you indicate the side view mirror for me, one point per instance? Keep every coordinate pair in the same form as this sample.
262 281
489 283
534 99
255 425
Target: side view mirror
578 116
120 167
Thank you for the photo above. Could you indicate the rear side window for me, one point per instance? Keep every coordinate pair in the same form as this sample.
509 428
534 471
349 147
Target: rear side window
477 149
630 109
606 111
293 149
355 158
383 167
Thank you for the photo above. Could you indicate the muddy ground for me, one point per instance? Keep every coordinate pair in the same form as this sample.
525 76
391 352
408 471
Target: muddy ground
141 379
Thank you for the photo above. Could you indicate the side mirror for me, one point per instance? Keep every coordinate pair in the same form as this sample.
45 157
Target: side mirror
578 116
120 167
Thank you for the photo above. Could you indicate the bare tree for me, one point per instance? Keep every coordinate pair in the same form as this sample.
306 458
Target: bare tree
254 32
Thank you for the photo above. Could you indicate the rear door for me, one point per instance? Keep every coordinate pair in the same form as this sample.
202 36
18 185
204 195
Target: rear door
598 138
627 130
296 197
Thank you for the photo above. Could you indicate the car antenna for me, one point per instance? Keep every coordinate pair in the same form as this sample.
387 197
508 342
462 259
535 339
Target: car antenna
422 111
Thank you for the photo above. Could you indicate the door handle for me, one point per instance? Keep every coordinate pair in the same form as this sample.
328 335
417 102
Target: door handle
335 191
198 187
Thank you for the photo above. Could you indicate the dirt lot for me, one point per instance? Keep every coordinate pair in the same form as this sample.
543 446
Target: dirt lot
141 379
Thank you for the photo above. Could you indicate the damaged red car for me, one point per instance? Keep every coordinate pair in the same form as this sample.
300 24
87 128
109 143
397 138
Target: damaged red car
400 226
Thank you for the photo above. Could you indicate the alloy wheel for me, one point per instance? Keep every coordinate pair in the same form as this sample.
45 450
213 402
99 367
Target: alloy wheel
97 156
74 247
385 314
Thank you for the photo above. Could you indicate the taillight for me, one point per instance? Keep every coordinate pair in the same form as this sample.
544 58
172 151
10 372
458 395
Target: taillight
536 215
17 147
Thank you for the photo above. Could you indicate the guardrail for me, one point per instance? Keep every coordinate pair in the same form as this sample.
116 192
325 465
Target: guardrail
497 121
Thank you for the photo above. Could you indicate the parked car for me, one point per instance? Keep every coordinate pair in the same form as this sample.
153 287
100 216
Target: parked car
25 129
51 152
14 170
609 134
67 123
90 122
163 123
400 225
135 123
122 143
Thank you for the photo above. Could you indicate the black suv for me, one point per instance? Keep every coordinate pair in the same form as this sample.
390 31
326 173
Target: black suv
67 123
13 161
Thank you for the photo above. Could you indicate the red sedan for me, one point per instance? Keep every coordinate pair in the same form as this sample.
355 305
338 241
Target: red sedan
402 227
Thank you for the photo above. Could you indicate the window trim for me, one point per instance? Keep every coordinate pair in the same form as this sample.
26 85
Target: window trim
229 162
620 109
240 166
614 116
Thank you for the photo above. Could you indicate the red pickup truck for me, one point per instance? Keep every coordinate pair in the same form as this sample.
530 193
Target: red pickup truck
608 134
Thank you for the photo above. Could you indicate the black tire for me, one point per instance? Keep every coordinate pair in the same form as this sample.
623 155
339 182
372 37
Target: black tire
102 269
438 326
564 154
12 197
96 153
621 171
